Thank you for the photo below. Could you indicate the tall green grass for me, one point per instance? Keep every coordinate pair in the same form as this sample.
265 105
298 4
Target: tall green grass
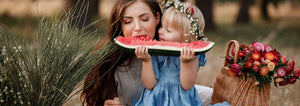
47 70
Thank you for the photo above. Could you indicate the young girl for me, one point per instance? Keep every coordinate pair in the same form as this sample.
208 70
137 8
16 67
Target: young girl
170 80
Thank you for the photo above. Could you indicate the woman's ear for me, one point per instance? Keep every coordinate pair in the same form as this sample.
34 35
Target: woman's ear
157 18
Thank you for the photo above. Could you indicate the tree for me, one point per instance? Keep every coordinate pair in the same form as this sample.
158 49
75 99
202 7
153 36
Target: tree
83 12
206 7
264 7
243 15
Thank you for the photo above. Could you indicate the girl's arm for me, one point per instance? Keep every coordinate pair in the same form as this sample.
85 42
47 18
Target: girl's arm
148 76
188 68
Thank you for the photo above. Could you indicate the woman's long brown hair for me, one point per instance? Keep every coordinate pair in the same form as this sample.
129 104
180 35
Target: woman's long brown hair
96 90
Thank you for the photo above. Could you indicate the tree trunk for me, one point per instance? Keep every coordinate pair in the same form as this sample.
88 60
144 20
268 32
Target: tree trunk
206 7
83 12
264 9
243 15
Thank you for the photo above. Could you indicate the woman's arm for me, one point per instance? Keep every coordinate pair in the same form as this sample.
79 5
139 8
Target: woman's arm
148 76
188 68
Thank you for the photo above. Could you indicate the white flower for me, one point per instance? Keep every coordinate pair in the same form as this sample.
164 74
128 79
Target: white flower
3 52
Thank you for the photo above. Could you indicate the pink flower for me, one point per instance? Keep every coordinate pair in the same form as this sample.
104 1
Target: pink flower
268 48
257 46
292 80
281 72
276 54
257 63
296 72
283 59
255 68
290 67
235 68
262 60
246 50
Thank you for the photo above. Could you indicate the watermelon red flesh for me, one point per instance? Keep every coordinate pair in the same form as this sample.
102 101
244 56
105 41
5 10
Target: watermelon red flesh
164 48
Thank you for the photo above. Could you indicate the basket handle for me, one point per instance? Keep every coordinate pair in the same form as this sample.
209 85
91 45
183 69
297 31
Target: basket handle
237 46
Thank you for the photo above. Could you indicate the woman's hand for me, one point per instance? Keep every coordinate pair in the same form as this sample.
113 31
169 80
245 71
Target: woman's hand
187 55
115 102
142 53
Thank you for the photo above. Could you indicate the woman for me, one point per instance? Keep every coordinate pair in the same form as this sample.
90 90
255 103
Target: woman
128 18
121 83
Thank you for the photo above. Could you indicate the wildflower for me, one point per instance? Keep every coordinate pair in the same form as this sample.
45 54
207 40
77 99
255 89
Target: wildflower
248 64
241 54
255 68
268 48
296 72
281 72
235 68
255 56
246 50
292 80
283 59
269 56
3 52
276 54
257 63
264 71
271 66
231 72
257 46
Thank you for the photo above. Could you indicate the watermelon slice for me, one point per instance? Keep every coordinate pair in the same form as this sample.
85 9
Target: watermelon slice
161 48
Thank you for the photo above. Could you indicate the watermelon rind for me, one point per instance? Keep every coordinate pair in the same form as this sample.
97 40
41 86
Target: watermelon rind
157 50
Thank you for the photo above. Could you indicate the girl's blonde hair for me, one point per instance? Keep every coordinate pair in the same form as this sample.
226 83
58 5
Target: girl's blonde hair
180 22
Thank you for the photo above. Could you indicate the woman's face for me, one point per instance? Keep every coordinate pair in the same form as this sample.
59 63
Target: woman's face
138 19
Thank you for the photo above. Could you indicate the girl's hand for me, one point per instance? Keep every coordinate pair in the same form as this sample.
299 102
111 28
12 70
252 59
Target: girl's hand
115 102
142 53
187 55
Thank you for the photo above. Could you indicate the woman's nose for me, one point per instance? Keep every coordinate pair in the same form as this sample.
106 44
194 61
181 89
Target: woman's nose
137 27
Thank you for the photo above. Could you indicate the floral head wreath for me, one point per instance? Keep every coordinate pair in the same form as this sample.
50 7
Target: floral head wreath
189 11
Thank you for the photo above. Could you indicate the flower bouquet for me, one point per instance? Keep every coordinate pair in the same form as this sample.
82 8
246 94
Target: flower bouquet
264 64
247 73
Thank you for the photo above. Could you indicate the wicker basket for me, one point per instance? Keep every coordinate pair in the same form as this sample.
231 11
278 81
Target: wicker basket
238 92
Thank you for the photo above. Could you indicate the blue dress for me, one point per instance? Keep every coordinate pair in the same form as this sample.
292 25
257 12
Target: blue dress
168 90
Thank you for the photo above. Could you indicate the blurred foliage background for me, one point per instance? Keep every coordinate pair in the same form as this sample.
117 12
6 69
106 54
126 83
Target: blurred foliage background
276 22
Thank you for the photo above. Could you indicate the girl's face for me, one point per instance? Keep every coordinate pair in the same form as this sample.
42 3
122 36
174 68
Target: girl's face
168 33
138 19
